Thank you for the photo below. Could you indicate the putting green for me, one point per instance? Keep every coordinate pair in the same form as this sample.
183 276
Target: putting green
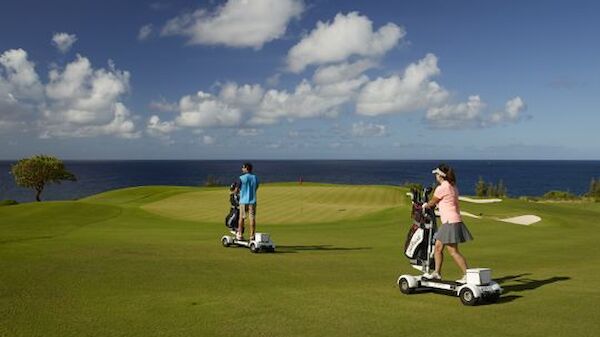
284 204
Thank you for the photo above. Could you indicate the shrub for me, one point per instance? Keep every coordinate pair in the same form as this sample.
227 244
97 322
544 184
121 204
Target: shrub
560 195
8 202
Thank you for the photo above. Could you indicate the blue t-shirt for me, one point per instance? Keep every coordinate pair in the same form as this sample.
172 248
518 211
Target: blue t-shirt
249 185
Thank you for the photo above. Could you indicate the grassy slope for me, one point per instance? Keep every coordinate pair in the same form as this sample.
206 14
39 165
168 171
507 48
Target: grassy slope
105 266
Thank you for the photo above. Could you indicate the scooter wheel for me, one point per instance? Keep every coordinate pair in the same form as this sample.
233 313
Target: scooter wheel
225 242
467 297
254 248
405 286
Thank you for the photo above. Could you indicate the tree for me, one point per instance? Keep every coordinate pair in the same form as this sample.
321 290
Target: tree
480 188
37 171
501 189
594 191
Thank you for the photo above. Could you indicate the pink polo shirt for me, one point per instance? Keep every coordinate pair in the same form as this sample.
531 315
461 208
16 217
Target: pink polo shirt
448 204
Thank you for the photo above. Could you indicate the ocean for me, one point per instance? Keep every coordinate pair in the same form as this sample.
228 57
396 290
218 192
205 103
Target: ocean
532 178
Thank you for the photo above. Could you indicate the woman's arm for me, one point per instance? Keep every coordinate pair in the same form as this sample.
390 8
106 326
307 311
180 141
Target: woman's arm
431 203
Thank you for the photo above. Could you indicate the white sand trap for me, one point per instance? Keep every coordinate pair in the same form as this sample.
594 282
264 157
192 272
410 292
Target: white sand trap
470 215
523 219
479 201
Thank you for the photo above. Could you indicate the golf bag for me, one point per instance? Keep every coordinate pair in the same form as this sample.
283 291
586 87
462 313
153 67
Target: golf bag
232 219
420 233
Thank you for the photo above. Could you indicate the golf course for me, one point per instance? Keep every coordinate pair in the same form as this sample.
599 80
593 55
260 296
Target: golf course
148 261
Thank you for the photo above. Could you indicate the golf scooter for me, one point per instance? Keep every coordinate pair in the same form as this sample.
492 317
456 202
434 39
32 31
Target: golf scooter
262 243
419 248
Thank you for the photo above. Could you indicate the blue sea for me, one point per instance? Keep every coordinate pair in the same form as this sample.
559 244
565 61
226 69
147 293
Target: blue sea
521 177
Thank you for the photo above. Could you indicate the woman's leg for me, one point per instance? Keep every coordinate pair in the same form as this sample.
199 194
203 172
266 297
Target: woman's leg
457 256
439 256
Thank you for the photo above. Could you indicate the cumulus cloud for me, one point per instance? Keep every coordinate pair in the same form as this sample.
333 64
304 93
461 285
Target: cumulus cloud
412 91
21 91
159 129
63 41
336 41
362 129
77 101
144 32
513 112
457 115
81 95
472 114
121 125
204 110
238 23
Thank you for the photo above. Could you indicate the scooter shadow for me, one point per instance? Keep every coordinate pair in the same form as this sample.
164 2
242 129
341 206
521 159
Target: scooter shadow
519 283
297 249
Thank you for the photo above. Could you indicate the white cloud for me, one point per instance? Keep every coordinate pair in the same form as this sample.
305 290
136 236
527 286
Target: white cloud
341 72
466 114
205 110
472 114
238 23
19 80
513 112
362 129
397 94
336 41
121 125
63 41
20 89
78 101
156 128
86 102
242 96
144 32
208 140
81 95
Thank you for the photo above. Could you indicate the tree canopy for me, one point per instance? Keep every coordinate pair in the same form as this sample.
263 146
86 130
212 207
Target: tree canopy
39 170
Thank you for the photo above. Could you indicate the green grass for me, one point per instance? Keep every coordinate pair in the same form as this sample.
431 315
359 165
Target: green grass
147 261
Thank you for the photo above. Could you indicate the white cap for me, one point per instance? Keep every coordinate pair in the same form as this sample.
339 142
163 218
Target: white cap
438 171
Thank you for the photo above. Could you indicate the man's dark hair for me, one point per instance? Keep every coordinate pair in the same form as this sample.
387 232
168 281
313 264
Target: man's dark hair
248 167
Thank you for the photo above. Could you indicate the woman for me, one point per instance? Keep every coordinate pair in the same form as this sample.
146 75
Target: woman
453 231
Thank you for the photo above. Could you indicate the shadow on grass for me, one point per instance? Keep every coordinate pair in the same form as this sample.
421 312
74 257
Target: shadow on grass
520 283
296 249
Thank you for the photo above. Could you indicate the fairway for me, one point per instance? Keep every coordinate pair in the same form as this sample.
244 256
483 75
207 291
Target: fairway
147 261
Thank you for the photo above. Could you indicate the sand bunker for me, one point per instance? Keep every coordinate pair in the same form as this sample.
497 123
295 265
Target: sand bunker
470 215
523 219
479 201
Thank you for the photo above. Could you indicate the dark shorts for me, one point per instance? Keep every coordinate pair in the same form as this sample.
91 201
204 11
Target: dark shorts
453 233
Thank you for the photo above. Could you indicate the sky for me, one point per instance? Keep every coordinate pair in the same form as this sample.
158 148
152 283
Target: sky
300 79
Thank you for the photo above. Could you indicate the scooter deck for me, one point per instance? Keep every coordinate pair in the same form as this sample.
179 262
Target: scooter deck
440 284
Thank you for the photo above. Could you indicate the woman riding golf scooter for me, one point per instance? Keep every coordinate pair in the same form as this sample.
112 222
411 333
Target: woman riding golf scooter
453 231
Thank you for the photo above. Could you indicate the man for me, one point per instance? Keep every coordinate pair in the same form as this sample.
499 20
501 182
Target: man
248 187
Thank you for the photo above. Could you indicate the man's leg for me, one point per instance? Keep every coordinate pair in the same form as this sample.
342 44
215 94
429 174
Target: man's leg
252 214
240 228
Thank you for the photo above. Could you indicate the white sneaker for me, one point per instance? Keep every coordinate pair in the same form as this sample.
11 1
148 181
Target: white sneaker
462 280
239 237
433 276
